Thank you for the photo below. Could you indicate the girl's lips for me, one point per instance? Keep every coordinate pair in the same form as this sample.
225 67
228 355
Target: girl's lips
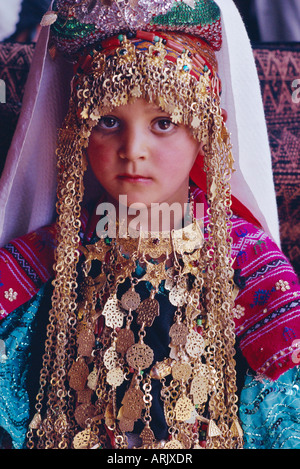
134 178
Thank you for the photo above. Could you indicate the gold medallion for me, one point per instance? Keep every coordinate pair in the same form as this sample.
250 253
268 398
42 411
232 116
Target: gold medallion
178 296
147 311
155 245
181 371
140 356
115 377
84 412
130 300
213 430
110 358
126 425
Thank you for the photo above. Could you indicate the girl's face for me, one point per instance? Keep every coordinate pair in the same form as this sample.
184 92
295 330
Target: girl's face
138 152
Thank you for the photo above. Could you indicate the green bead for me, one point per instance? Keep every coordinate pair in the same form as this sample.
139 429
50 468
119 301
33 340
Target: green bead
121 37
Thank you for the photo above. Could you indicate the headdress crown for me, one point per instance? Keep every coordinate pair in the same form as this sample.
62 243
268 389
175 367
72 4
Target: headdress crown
80 23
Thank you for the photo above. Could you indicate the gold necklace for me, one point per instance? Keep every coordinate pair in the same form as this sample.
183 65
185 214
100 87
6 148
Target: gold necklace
189 381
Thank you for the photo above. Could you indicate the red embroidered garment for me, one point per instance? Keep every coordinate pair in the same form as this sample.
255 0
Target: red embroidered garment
25 265
267 307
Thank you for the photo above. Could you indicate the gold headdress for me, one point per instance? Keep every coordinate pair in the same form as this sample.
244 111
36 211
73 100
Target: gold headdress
163 52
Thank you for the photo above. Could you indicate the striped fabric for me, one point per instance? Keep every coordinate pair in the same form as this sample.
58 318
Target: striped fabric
25 265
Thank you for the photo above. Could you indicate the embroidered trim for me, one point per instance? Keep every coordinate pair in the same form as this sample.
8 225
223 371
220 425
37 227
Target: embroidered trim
23 263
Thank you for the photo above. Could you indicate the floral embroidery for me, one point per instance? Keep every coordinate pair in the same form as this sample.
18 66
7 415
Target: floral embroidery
241 233
261 297
288 334
238 311
241 258
282 285
10 295
259 245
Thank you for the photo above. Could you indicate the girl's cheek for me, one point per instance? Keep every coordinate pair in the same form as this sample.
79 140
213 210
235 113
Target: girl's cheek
96 153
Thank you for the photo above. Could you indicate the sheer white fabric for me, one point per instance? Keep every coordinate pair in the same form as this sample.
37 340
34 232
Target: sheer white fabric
252 183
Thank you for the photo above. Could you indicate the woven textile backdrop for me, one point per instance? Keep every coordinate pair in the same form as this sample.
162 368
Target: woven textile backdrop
278 68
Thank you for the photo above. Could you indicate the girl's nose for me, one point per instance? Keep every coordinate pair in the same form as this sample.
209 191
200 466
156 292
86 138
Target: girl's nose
133 144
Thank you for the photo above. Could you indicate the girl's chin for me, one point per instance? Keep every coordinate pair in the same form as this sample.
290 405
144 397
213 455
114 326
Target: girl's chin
131 201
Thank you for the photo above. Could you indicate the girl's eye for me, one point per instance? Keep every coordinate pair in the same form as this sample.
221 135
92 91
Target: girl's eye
108 122
164 125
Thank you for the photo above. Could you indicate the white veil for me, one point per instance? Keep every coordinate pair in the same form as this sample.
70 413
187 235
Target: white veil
28 182
252 183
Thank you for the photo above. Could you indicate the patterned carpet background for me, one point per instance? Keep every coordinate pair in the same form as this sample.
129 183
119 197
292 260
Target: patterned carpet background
278 67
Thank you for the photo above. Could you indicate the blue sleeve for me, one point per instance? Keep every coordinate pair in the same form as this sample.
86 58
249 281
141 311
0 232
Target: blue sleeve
16 335
270 412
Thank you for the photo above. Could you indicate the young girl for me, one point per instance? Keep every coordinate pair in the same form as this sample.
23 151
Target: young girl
140 343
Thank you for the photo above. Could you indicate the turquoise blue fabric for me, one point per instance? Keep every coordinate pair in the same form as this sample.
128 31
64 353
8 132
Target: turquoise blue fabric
270 412
16 332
